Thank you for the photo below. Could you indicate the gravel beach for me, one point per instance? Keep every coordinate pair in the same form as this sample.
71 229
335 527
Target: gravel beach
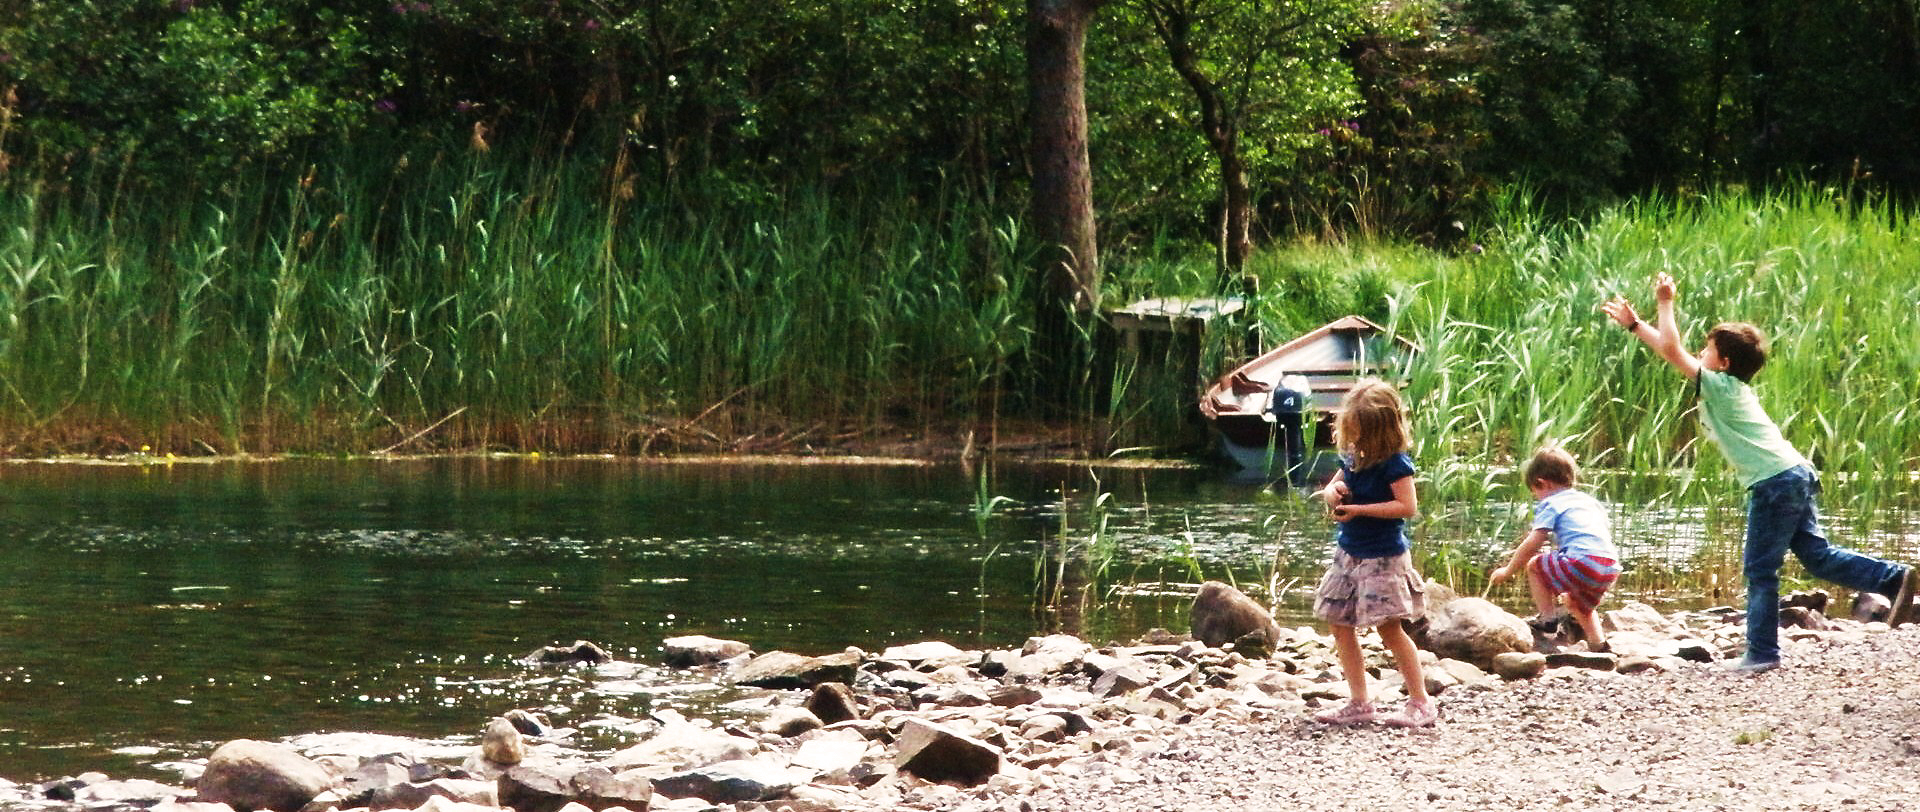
1837 727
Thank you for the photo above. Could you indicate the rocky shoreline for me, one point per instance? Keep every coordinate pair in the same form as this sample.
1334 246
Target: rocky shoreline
1212 719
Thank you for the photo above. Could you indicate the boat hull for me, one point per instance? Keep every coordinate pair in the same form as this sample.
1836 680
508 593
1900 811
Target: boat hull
1256 446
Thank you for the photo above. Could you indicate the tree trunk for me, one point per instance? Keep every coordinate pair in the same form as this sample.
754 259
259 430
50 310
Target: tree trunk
1709 171
1220 127
1062 213
1236 242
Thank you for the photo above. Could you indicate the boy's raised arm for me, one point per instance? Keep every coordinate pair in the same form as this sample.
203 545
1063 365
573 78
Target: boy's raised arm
1667 342
1663 337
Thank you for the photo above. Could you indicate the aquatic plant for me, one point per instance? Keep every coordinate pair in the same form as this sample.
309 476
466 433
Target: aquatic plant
1516 355
354 303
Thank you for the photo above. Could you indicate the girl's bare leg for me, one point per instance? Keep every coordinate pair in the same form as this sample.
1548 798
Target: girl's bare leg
1406 657
1346 642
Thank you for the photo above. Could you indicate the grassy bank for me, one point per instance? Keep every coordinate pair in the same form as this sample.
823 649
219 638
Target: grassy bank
553 303
548 303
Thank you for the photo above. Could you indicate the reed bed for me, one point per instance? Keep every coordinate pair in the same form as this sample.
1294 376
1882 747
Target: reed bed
565 302
480 299
546 302
1517 355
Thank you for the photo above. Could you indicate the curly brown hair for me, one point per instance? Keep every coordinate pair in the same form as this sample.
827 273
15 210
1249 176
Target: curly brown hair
1372 424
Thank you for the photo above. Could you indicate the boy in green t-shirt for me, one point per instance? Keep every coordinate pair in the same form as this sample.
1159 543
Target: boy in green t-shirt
1781 511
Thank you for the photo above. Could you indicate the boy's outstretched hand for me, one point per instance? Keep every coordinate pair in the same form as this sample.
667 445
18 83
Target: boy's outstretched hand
1663 287
1620 310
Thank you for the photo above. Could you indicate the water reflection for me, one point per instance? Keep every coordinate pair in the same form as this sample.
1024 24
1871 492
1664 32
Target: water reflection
149 613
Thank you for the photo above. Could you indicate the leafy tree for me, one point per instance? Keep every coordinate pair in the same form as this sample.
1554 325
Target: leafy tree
202 84
1402 163
1556 114
1831 89
1257 72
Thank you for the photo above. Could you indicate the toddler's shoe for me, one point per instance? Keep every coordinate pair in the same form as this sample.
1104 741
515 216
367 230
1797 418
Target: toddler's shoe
1414 714
1903 598
1352 713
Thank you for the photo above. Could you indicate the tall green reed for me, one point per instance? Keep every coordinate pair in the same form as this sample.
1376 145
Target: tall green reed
1517 355
557 299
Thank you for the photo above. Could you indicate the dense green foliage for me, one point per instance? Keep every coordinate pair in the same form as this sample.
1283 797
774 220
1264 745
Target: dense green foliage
1394 121
249 224
351 307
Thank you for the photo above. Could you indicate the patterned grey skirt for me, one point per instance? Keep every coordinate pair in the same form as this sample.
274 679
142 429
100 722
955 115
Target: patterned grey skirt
1369 591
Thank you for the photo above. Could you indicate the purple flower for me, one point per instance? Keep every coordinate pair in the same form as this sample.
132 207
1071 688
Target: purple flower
463 106
420 7
1351 125
385 106
1325 131
591 25
5 58
399 8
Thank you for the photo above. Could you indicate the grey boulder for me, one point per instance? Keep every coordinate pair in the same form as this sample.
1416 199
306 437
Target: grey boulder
248 775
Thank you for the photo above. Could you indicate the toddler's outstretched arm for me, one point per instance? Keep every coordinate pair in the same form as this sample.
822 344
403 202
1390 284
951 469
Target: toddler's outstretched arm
1530 545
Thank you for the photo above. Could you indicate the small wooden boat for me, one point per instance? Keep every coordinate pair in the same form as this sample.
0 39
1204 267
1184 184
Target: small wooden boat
1249 403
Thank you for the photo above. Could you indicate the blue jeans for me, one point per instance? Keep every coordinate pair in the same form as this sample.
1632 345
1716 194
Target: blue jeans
1781 516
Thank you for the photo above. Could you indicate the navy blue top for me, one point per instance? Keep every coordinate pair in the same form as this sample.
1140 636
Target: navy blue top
1366 536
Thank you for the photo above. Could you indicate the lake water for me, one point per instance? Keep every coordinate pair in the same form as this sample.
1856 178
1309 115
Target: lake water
150 612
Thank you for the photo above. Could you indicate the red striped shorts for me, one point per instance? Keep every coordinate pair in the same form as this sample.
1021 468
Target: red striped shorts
1584 579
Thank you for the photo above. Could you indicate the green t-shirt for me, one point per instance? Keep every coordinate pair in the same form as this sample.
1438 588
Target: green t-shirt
1745 434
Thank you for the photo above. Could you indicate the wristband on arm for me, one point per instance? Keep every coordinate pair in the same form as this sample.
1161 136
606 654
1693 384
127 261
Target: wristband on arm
1634 326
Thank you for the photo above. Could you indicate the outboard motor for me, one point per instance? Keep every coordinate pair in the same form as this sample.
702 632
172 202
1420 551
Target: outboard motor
1288 405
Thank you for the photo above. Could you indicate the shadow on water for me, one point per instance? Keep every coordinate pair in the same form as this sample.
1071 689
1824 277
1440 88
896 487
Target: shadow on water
148 613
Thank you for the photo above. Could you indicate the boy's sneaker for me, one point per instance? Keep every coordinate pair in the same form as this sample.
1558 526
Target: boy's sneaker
1414 714
1903 598
1352 713
1747 665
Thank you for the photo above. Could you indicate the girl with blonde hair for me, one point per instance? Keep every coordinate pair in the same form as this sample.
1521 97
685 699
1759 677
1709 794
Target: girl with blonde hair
1372 581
